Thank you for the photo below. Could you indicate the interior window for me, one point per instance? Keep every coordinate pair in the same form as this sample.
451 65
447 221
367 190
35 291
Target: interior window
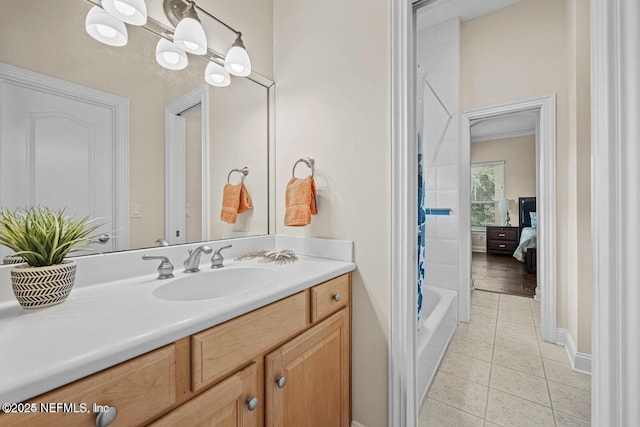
487 187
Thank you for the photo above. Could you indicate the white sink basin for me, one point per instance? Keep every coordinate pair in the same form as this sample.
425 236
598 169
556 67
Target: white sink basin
215 283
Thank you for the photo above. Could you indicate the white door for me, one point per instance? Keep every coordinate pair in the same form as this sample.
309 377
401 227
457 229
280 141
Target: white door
57 151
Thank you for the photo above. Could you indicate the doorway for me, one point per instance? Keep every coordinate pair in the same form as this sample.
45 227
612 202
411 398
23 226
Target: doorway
187 199
503 200
544 107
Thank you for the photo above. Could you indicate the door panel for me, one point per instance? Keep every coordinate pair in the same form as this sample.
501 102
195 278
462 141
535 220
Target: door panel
316 368
65 152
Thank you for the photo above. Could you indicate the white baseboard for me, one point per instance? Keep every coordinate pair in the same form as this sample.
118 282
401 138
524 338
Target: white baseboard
478 249
355 424
580 362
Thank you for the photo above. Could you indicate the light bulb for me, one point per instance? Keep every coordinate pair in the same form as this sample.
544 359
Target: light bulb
106 31
124 8
190 36
132 12
170 56
105 28
237 61
191 45
216 75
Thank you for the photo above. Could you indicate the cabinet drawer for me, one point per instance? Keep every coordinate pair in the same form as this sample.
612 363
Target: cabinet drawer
505 234
225 404
329 297
223 349
498 245
139 389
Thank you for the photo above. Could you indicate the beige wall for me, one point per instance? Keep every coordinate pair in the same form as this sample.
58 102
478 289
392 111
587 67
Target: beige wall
525 50
331 65
66 51
238 134
581 115
519 156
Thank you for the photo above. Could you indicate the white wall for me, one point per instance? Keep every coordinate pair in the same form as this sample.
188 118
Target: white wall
438 54
331 65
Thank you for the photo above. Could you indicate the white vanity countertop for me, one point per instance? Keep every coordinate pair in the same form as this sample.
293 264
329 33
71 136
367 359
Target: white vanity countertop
102 325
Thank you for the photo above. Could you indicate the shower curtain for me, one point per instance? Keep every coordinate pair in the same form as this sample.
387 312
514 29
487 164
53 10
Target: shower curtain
421 187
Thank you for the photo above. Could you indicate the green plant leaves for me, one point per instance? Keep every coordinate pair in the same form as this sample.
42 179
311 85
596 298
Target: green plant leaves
44 236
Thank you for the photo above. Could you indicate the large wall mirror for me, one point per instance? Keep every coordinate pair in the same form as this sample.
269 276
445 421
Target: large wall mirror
107 132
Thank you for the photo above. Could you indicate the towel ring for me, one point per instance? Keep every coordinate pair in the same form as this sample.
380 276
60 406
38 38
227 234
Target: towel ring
309 161
244 171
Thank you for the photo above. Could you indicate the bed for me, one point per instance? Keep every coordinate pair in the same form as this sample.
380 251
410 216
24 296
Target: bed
526 252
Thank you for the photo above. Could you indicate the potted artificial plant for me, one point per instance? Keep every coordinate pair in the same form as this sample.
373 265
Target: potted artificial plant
43 237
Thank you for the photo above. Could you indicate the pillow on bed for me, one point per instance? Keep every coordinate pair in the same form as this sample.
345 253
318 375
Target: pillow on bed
534 219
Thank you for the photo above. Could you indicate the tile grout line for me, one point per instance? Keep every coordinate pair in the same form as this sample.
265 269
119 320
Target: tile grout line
489 388
493 348
453 407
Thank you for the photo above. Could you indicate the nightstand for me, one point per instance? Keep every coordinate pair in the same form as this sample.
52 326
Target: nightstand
502 240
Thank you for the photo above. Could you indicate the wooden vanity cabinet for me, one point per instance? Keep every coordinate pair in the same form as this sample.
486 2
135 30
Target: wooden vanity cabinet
308 379
139 389
226 375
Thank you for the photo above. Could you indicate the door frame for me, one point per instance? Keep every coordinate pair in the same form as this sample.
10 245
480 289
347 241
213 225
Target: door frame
119 107
545 202
175 173
402 393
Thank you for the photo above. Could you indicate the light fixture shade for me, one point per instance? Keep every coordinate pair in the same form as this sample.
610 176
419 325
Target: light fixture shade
237 61
503 204
190 36
216 75
170 56
105 28
132 12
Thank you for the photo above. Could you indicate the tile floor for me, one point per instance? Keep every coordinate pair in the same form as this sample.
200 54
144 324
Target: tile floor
498 371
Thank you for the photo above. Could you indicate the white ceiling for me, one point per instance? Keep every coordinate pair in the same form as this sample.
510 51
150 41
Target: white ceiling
443 10
505 126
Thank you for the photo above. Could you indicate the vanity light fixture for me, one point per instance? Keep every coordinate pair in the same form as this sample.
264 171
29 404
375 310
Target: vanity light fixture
105 28
107 25
237 61
189 35
216 75
183 13
170 56
132 12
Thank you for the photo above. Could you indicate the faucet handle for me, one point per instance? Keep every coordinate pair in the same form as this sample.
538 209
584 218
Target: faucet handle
217 251
217 259
165 269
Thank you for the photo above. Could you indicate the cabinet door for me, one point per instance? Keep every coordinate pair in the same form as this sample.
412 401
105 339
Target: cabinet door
226 404
307 380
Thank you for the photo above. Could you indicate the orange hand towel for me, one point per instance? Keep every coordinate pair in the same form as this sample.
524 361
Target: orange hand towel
235 200
245 200
300 201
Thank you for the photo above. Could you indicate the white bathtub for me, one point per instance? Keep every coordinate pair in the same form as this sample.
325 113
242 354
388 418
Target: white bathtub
440 320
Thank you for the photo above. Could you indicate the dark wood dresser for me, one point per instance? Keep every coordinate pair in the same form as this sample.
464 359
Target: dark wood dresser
502 240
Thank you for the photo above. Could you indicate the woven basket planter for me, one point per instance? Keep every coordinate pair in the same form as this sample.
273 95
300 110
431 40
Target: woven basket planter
13 259
36 287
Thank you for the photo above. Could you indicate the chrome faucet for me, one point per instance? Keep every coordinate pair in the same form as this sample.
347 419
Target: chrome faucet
191 263
165 269
217 258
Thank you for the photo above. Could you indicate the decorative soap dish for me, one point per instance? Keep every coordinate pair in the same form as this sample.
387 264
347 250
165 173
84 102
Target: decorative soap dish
284 256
